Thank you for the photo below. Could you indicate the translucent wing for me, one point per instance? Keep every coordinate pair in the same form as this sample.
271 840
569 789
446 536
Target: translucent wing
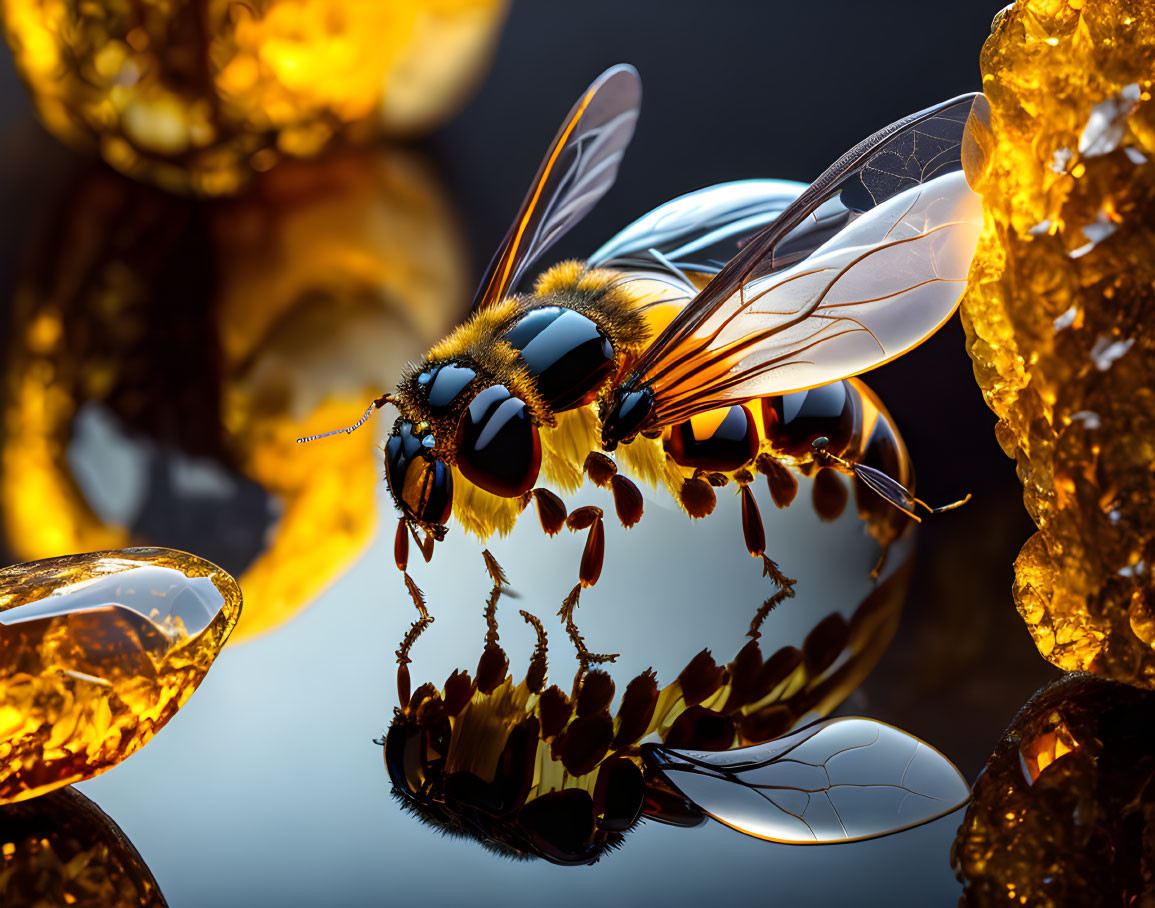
866 263
578 169
700 231
838 780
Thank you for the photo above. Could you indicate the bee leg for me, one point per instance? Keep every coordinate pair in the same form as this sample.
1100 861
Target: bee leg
785 591
752 529
538 666
401 545
603 472
499 582
780 481
585 657
424 546
551 511
594 554
424 619
697 496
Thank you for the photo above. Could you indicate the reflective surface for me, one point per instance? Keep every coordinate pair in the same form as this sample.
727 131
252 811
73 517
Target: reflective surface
62 849
268 788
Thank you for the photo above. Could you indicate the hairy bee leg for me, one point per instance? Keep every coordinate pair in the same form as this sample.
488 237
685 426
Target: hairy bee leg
424 619
585 657
591 518
538 665
628 502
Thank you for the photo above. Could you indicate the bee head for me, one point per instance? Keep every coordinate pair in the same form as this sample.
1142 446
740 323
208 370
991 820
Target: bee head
421 483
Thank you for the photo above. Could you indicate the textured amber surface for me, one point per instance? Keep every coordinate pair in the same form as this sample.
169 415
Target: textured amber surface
196 95
1060 313
1063 813
97 653
207 336
61 849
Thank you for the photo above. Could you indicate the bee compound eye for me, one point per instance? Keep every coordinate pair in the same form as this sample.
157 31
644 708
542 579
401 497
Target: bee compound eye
498 447
422 487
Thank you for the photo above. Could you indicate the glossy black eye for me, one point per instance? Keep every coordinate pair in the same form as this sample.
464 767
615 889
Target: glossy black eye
498 447
793 421
443 384
422 487
566 352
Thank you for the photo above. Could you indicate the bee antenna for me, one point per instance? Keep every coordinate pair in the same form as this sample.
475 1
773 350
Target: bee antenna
376 405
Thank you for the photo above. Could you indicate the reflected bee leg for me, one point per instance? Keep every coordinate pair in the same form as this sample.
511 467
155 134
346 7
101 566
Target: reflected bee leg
585 657
590 517
538 663
876 571
424 619
499 583
603 472
785 591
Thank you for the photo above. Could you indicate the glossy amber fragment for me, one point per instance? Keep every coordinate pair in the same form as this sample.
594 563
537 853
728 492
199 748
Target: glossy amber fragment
197 95
1060 318
1063 813
61 849
97 653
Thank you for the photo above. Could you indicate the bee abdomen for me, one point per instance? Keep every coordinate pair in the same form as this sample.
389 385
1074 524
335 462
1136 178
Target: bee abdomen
567 354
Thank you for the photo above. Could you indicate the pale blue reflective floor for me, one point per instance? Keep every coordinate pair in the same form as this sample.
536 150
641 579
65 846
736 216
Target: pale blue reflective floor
267 788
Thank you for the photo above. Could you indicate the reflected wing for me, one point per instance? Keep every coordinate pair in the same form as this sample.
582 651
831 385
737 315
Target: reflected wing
578 169
865 264
700 231
838 780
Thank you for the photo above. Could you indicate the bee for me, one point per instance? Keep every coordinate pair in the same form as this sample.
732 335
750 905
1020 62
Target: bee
529 770
712 339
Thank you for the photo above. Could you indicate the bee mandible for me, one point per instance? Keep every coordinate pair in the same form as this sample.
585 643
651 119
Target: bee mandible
711 339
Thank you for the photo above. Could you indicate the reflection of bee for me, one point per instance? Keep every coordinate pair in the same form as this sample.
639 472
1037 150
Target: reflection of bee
531 771
692 367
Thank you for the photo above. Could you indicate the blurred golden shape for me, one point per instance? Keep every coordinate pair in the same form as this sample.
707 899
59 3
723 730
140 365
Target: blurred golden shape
61 849
197 95
1058 317
166 353
1062 814
97 653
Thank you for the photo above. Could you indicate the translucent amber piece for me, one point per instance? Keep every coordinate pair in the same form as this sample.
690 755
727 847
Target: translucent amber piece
1062 814
1060 318
197 95
165 353
97 653
61 849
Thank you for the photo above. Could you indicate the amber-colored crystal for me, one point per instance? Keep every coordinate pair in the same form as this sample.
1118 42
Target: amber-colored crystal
1063 813
61 849
154 336
1059 317
197 95
97 653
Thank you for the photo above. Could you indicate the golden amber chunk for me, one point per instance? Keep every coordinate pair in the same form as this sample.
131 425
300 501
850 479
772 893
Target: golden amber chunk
62 849
198 95
1062 814
1060 318
97 653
